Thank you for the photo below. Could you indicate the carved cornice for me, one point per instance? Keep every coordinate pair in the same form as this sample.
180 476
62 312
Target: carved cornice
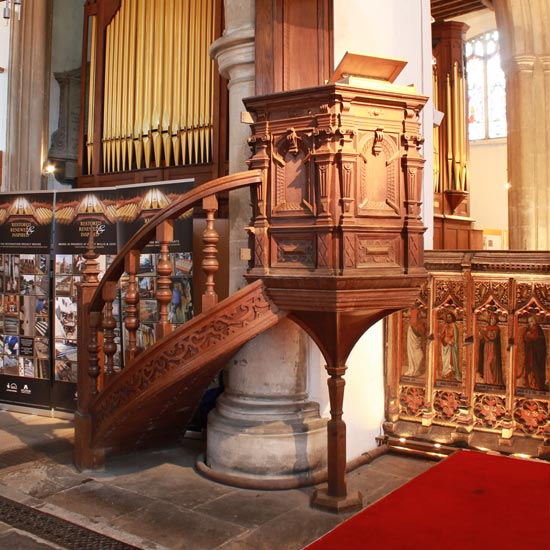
529 262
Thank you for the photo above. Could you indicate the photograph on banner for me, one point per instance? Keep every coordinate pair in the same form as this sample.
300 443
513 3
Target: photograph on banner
77 214
25 241
26 222
137 204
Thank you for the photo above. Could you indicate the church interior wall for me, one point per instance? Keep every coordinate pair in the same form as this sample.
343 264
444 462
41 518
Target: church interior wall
488 160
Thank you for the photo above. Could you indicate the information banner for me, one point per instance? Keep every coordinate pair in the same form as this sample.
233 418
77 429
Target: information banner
26 222
43 236
79 212
25 299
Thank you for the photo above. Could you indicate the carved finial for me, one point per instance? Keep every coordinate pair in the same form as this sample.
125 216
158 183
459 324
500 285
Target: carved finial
91 269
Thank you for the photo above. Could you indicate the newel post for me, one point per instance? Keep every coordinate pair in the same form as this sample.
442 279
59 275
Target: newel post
85 457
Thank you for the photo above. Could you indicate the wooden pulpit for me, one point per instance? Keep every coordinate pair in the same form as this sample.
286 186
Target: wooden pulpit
337 235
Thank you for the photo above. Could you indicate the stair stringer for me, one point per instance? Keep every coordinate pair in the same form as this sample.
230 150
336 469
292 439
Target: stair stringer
154 397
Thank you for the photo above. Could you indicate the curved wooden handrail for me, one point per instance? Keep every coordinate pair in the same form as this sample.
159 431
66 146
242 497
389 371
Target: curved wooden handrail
171 212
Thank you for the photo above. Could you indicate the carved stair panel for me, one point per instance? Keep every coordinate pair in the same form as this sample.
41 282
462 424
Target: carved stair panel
156 395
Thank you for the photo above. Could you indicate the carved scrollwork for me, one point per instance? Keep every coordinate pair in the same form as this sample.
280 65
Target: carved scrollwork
446 404
524 293
192 341
542 293
412 401
531 416
449 288
485 290
489 410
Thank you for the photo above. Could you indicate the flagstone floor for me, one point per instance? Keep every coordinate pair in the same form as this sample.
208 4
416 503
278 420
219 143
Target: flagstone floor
156 499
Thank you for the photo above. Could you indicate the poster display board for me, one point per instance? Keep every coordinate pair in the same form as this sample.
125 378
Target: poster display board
25 354
43 237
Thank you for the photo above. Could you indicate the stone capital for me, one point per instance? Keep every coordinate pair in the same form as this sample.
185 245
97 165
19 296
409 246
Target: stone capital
520 64
235 54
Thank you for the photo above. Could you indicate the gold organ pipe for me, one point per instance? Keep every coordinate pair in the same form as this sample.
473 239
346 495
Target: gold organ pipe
207 81
456 129
202 71
211 82
91 95
176 113
448 116
107 103
159 85
436 167
148 82
184 23
196 85
463 139
191 82
140 56
113 99
125 14
130 112
158 64
117 126
167 112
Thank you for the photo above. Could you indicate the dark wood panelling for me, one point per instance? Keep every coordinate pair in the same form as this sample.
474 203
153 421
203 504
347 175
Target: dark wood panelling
293 44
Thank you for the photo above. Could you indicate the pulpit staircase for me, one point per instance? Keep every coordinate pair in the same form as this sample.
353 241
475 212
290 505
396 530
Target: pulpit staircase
156 393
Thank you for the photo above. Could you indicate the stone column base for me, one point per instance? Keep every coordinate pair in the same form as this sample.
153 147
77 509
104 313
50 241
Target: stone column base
267 454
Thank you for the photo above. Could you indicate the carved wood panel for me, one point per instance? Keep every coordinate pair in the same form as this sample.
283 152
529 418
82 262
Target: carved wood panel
497 311
379 179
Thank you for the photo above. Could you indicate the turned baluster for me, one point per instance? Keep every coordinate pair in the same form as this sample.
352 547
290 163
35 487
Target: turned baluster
210 262
109 325
131 318
93 352
165 235
88 371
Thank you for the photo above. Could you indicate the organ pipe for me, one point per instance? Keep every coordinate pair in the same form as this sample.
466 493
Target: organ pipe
158 85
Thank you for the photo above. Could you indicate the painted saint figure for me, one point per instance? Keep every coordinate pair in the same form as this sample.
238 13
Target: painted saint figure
535 355
416 337
489 364
449 348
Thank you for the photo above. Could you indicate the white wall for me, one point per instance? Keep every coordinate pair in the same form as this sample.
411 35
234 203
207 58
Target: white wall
488 158
399 29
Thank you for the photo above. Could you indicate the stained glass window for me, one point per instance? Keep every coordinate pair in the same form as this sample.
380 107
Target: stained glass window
486 88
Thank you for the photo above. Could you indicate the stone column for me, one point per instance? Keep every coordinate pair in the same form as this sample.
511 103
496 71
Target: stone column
264 432
28 96
525 54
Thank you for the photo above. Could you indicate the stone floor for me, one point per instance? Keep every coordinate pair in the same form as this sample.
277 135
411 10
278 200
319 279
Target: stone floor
157 500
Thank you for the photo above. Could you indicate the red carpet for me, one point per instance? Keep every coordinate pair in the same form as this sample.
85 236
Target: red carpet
469 501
